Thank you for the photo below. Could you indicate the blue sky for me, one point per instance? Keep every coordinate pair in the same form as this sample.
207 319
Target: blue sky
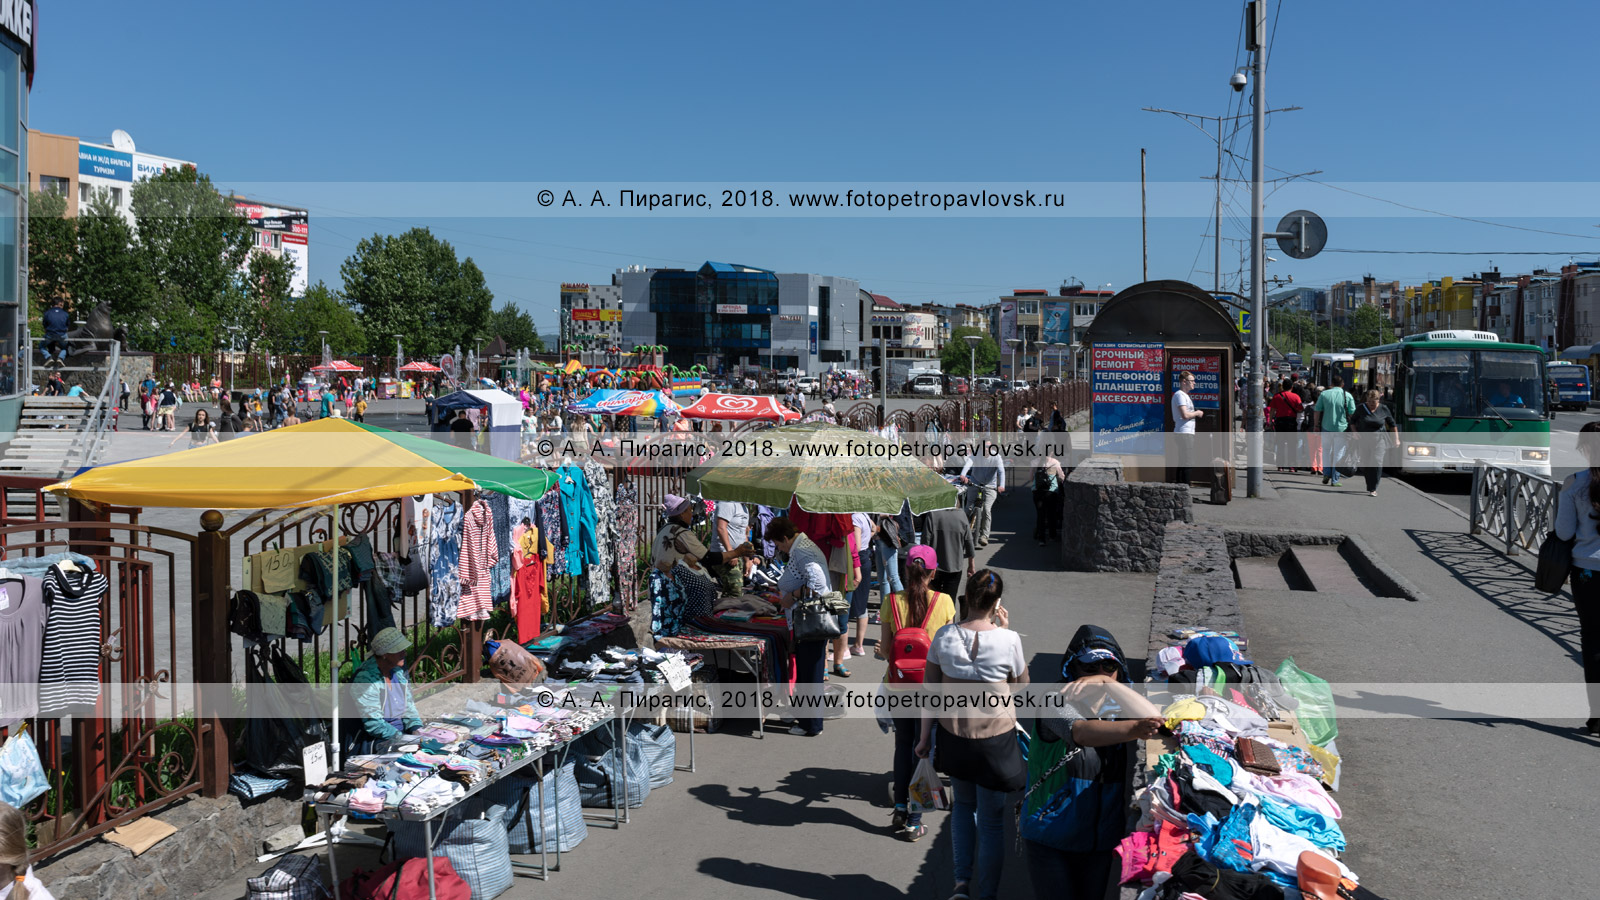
1398 96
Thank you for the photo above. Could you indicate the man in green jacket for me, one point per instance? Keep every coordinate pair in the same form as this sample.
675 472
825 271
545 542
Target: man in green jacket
1333 412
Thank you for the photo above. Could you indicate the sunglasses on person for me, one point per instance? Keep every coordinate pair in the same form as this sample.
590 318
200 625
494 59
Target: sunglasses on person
1099 667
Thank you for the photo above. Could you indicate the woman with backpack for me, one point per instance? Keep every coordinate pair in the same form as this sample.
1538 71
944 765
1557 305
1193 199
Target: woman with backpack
978 749
1073 813
908 624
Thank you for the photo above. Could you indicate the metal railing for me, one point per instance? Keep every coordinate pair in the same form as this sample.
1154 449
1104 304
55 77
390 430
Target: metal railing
1513 506
90 442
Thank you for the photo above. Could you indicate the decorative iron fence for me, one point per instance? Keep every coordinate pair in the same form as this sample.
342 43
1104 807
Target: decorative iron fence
1512 506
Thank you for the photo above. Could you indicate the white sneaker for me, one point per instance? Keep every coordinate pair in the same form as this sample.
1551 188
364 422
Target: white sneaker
846 655
799 731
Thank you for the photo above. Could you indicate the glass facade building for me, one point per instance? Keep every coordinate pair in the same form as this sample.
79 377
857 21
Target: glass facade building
16 62
719 313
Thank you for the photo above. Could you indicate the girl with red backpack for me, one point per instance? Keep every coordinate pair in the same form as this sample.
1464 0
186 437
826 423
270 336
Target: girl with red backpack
908 626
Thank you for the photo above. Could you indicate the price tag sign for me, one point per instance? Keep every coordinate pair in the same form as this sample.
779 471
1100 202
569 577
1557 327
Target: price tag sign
315 760
676 672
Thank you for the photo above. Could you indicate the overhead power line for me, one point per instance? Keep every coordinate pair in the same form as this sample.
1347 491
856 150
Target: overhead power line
1588 252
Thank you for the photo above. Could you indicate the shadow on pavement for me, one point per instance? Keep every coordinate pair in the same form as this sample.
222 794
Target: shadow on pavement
1506 584
799 882
800 799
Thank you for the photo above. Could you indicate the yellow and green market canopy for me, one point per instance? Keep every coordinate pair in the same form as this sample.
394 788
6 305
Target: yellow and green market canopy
312 464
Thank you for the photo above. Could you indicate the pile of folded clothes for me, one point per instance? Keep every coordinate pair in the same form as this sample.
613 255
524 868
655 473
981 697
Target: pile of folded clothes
1238 801
450 756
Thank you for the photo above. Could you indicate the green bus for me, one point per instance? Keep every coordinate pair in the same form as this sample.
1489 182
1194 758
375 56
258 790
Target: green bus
1462 397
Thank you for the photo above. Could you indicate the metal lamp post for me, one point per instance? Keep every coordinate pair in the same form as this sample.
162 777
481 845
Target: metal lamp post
1012 343
972 356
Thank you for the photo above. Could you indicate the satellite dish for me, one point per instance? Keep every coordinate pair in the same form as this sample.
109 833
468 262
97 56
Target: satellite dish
1309 234
121 140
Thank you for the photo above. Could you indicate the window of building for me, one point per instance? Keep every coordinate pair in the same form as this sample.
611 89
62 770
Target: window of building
116 197
85 194
52 184
825 312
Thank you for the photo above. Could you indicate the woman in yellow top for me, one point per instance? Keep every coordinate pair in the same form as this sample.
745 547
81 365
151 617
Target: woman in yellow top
916 607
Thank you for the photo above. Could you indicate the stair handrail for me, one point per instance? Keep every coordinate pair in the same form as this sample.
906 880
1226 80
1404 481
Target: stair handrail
88 444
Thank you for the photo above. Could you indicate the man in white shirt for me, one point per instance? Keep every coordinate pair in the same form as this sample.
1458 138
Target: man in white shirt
1184 416
732 529
988 473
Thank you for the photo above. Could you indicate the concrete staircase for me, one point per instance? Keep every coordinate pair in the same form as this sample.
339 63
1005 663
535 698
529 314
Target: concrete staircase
1328 571
50 437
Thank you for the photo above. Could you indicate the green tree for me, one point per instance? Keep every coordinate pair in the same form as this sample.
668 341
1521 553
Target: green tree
511 324
110 268
1369 328
266 287
52 253
957 357
194 244
291 325
413 284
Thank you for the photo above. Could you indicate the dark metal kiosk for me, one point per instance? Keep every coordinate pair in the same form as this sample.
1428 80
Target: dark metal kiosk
1138 344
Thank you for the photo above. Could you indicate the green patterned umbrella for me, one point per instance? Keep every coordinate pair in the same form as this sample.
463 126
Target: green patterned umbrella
825 468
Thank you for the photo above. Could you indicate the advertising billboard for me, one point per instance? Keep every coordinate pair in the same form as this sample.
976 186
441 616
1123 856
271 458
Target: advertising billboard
813 338
296 249
732 309
1008 320
1057 328
104 162
1128 415
917 330
1207 369
597 315
273 218
151 166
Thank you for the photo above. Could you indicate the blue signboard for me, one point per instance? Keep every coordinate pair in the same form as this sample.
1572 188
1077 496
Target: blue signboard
1129 397
101 162
813 338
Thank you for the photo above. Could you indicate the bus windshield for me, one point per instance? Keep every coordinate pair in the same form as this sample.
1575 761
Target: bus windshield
1477 384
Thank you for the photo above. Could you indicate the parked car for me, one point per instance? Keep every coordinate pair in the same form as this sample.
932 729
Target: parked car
808 384
958 385
1018 385
927 384
986 384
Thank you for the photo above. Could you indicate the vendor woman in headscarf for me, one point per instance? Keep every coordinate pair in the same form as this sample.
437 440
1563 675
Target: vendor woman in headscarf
677 517
384 705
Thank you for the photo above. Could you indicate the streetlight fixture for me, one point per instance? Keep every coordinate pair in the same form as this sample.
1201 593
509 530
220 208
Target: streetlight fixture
972 356
233 348
1060 346
1012 343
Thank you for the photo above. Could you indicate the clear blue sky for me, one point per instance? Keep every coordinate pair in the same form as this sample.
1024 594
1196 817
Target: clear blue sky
932 92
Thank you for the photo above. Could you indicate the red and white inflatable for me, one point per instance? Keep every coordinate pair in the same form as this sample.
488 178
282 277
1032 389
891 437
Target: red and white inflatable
739 408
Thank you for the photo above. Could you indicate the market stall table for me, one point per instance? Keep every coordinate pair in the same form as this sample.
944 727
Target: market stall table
327 810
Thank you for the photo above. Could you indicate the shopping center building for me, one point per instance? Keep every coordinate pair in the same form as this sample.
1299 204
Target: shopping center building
726 315
16 76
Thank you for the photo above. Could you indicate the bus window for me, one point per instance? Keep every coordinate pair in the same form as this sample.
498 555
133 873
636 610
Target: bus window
1510 383
1438 384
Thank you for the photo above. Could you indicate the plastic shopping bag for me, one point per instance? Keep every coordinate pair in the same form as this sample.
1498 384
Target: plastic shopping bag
1317 714
926 792
22 775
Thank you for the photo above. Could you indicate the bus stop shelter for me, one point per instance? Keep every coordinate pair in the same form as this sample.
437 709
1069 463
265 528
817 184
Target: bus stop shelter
1139 343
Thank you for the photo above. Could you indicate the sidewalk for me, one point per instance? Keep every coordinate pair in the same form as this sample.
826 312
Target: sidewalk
1435 808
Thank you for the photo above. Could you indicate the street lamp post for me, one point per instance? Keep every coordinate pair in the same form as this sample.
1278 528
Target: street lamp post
1012 343
233 362
1059 345
972 360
